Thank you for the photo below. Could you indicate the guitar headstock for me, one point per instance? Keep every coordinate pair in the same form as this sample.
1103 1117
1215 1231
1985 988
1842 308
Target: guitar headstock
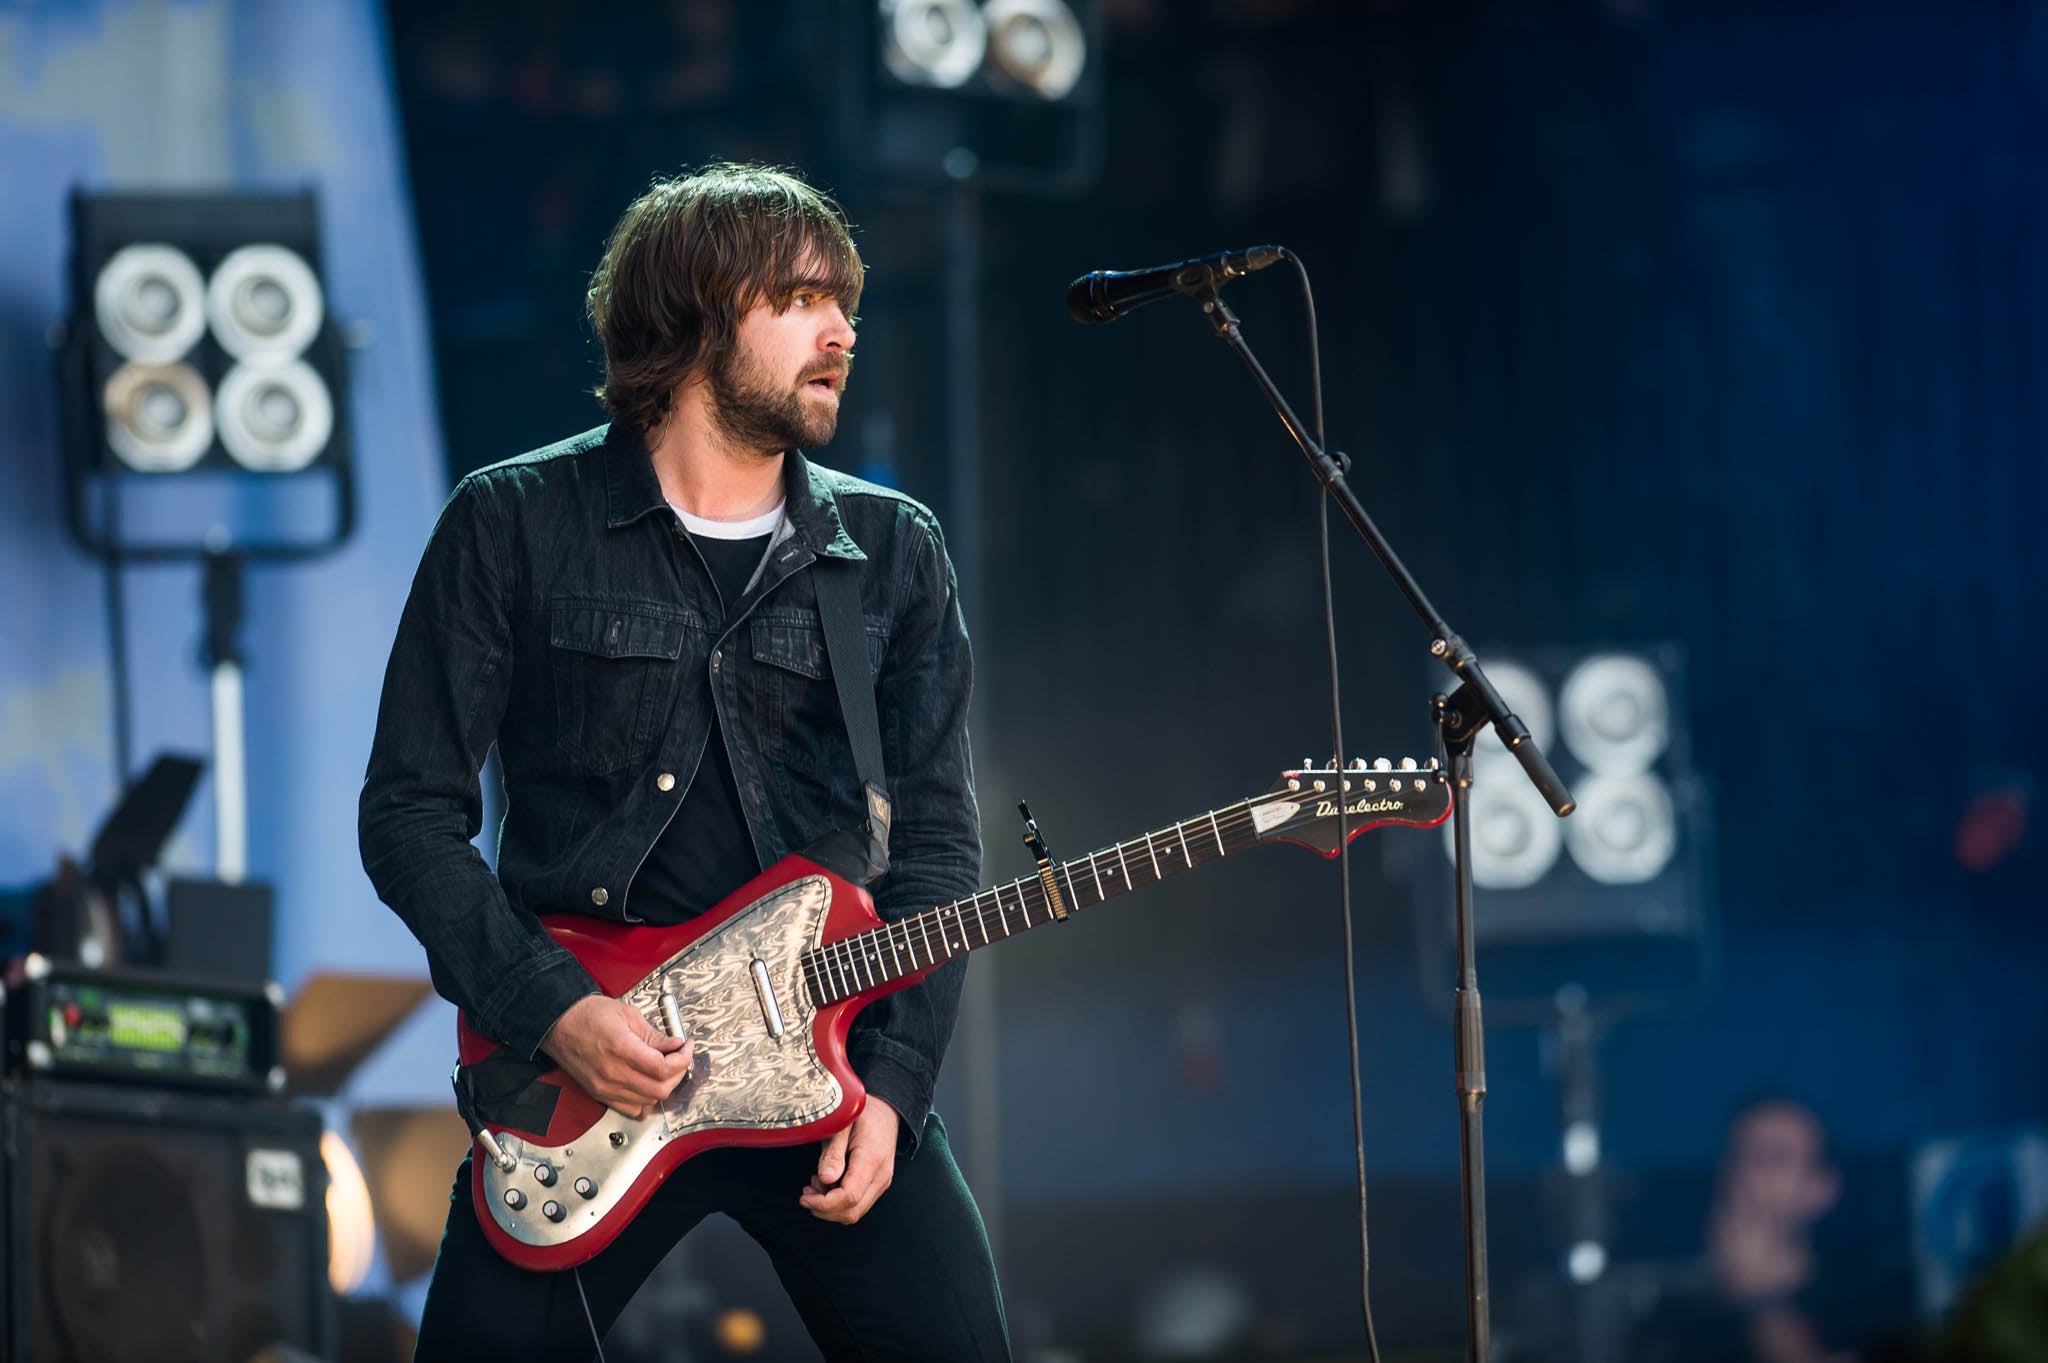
1302 807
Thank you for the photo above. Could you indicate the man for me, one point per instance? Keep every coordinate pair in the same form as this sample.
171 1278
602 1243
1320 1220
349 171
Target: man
1756 1298
631 617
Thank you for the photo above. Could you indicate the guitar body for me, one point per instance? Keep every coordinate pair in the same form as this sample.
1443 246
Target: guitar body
770 1066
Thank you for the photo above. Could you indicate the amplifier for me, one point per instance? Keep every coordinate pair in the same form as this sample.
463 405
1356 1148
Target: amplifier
65 1019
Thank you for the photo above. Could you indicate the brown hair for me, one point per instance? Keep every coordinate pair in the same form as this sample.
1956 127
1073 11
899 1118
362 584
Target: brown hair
690 257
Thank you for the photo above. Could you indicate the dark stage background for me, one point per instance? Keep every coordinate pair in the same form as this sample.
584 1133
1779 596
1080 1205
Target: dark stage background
1718 324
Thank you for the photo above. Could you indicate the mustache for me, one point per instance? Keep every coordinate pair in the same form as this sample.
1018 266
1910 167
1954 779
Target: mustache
837 368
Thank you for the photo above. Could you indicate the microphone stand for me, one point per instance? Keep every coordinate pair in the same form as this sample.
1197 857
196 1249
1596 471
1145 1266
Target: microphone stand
1459 717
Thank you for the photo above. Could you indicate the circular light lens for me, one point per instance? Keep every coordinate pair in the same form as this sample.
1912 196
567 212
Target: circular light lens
1625 830
932 42
264 303
1037 44
159 416
1616 713
1515 838
150 302
274 418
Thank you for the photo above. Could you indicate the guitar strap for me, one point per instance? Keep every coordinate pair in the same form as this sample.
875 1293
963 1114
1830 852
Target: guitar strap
838 583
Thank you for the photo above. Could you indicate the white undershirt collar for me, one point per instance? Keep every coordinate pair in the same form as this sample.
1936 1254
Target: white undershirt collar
751 528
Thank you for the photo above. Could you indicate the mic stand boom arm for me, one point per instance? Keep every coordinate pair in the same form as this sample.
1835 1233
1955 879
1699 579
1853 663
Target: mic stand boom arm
1459 718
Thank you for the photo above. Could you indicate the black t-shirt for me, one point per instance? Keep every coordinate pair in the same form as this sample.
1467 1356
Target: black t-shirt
705 853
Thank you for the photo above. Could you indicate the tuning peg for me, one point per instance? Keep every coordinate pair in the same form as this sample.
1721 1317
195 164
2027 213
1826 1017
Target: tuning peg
1308 764
1382 764
1357 764
1407 764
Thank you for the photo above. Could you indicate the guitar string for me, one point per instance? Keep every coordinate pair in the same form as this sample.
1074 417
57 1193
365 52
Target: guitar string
858 953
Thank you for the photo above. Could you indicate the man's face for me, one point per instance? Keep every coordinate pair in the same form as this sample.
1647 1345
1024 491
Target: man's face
779 386
1775 1165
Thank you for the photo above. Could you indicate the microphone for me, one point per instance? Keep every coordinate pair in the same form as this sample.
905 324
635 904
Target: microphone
1107 295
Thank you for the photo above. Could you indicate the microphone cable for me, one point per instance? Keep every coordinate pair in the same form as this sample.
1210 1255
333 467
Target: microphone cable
1315 367
596 1340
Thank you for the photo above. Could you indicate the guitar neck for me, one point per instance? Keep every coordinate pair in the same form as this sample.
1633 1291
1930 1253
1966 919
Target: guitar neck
865 960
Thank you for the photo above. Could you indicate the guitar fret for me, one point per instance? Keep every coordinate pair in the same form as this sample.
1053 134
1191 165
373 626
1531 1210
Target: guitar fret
1074 899
1187 858
1096 871
925 928
1221 850
1023 904
1125 864
981 920
1151 852
894 955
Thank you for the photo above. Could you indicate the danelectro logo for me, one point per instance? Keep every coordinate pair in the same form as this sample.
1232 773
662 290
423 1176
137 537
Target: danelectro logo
1327 809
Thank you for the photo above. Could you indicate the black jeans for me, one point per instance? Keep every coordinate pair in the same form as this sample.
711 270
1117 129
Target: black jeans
911 1280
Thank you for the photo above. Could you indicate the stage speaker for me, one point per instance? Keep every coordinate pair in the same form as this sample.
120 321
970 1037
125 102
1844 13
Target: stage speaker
153 1227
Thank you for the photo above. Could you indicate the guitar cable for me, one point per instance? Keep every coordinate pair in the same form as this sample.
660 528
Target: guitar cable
1315 367
596 1342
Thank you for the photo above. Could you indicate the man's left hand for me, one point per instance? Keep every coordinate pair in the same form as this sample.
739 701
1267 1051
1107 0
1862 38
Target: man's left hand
855 1167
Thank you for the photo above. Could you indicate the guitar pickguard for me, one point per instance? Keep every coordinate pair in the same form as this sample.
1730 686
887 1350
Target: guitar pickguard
745 1075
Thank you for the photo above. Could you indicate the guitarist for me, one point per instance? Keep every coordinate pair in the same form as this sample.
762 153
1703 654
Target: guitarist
631 617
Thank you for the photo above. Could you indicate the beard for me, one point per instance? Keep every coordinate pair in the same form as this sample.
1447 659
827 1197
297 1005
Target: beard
752 413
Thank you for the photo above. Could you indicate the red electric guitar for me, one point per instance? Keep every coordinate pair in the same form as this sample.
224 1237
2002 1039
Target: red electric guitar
769 981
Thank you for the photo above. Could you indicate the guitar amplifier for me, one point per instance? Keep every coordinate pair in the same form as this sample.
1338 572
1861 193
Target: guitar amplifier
160 1227
67 1020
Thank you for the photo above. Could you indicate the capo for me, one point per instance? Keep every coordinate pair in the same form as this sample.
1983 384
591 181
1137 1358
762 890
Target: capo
1035 841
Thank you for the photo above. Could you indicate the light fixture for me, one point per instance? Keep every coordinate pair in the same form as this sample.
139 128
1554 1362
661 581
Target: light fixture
149 302
1625 830
1616 713
159 417
1037 44
1515 837
933 42
264 302
351 1228
274 418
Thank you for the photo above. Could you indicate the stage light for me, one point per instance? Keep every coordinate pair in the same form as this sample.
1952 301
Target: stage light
939 43
1616 713
159 417
1586 1262
149 302
274 418
1625 831
351 1228
1037 44
265 303
1515 837
1581 1148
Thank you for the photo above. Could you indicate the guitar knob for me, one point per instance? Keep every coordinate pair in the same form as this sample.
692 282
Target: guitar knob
515 1199
544 1174
585 1188
553 1211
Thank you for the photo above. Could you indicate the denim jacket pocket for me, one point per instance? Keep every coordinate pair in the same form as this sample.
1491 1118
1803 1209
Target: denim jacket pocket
795 641
615 675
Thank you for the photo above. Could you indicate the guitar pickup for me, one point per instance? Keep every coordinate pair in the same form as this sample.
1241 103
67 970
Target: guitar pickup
764 991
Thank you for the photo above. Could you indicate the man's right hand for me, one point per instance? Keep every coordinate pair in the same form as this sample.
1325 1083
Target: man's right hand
609 1048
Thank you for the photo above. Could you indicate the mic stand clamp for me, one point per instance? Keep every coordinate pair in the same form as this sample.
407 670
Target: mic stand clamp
1459 718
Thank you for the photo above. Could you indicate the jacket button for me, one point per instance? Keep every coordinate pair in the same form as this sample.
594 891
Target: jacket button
665 782
599 895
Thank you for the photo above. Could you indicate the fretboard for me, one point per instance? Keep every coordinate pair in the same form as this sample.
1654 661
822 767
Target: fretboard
865 960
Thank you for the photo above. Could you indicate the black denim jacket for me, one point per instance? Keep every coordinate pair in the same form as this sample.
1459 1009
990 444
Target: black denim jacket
556 612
